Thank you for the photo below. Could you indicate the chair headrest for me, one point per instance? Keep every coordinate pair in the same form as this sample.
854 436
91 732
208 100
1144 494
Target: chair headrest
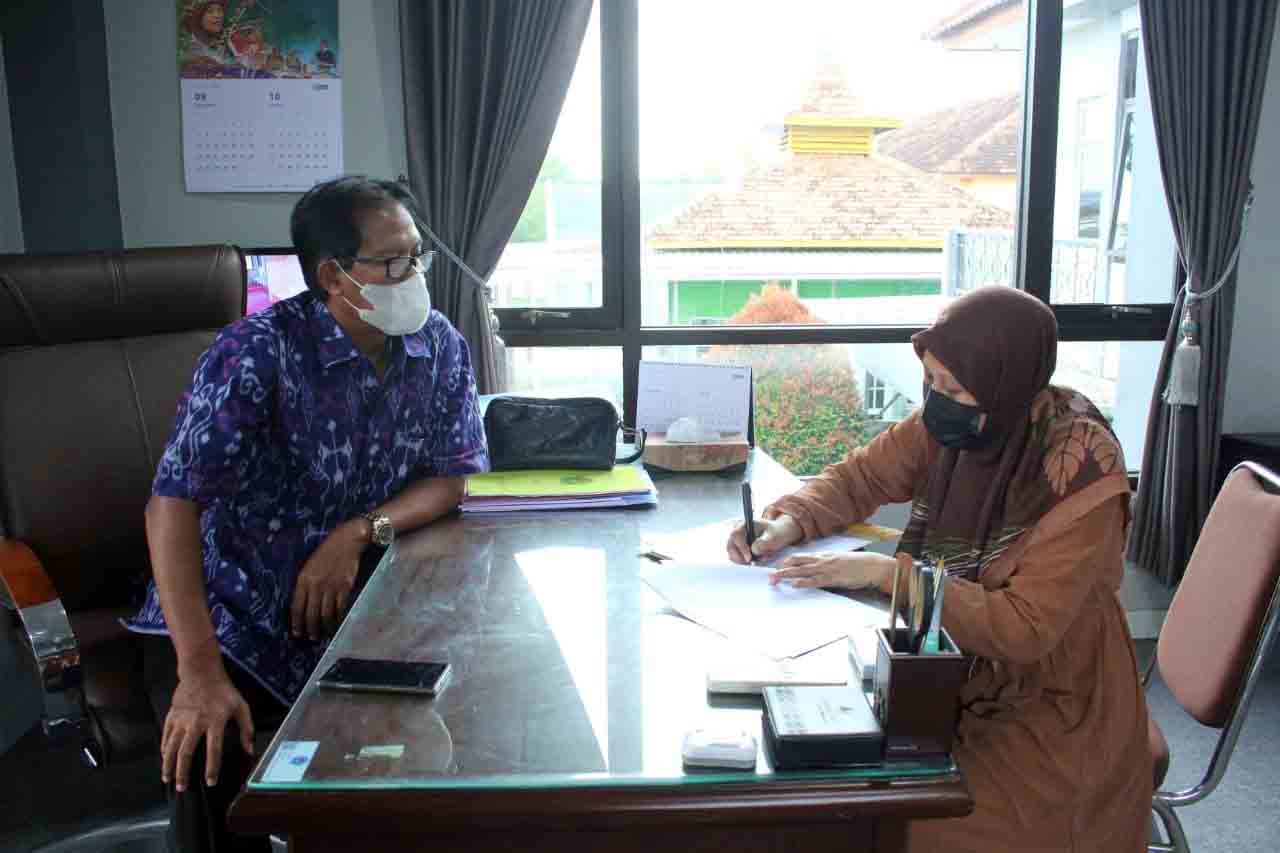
68 298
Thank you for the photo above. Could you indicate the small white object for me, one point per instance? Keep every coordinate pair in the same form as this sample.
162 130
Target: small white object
751 678
864 647
734 749
291 761
686 430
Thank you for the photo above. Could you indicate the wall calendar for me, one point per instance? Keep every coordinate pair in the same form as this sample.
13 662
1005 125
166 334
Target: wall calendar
261 94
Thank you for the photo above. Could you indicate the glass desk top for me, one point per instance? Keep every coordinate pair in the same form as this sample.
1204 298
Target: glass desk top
568 671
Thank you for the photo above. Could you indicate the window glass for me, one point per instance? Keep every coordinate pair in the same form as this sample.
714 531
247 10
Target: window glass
553 258
873 197
565 372
813 404
1113 241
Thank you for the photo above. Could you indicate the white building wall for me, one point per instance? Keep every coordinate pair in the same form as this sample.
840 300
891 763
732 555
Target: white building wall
1090 68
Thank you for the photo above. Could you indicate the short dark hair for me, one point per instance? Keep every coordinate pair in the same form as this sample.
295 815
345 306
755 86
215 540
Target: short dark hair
326 220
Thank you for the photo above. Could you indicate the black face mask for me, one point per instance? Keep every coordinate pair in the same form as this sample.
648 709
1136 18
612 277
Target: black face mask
952 424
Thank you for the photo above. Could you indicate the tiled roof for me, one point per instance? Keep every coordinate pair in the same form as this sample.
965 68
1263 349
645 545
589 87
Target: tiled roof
965 15
828 95
832 201
977 138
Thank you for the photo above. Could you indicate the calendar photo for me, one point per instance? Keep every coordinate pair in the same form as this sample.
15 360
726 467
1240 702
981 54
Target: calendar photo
261 84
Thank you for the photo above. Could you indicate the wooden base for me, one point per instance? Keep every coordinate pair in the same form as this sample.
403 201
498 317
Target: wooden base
852 836
729 450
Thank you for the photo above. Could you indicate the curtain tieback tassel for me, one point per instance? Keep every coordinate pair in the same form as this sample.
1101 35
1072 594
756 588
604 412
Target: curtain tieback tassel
1183 388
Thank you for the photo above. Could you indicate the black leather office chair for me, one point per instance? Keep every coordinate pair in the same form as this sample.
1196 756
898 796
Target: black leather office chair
95 350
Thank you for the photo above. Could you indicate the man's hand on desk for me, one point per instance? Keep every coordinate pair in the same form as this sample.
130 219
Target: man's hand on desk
326 580
204 702
771 536
846 569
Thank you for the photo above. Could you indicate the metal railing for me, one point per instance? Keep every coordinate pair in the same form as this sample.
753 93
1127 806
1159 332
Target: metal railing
974 258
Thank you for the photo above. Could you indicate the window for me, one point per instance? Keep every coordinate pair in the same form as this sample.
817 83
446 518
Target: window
874 394
566 372
814 404
1122 195
815 167
727 203
1122 199
1092 159
553 261
1118 214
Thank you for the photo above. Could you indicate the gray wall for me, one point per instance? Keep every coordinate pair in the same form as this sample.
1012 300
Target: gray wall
1253 393
10 215
155 208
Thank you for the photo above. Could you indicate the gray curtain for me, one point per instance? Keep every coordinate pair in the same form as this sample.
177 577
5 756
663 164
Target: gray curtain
1207 64
484 81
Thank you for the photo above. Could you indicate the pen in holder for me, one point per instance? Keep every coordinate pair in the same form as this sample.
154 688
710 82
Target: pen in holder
917 690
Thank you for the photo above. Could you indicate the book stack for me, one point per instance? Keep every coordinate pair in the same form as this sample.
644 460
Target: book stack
519 491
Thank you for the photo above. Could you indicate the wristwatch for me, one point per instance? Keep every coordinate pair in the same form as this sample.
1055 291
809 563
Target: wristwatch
380 530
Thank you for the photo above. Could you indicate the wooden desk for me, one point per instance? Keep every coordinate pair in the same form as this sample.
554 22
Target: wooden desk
572 690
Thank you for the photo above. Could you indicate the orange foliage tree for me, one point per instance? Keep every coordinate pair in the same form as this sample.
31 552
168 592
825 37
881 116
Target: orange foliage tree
808 412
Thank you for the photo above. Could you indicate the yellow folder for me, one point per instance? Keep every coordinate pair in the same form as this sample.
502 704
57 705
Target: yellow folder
622 478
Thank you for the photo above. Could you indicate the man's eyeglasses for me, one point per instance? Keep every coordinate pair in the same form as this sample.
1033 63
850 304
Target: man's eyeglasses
399 267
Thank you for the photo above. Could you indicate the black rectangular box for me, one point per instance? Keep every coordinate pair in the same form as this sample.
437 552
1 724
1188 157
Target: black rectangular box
815 727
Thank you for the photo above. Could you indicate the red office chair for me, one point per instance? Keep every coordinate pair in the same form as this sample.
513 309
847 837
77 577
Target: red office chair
1219 627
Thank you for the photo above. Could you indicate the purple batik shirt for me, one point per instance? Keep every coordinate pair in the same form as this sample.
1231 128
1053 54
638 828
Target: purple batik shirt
286 433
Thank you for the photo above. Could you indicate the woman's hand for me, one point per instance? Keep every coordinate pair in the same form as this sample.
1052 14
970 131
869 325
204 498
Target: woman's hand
772 535
846 569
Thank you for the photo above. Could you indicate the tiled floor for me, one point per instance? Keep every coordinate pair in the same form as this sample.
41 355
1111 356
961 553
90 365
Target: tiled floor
1243 814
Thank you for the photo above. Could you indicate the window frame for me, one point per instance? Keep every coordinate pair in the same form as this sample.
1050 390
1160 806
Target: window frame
1126 106
617 323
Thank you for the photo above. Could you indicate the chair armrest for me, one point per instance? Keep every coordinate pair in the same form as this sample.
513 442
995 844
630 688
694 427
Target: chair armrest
26 588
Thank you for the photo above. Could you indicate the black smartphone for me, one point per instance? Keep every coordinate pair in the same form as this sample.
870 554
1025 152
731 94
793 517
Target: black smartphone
391 676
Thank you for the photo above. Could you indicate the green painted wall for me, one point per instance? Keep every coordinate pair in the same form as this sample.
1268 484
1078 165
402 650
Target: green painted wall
720 299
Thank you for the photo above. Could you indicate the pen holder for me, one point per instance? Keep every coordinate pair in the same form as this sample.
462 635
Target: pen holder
917 696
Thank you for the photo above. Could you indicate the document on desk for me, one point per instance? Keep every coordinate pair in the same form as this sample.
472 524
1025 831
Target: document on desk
739 603
707 543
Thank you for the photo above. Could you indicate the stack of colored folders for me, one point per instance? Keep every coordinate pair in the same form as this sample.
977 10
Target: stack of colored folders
518 491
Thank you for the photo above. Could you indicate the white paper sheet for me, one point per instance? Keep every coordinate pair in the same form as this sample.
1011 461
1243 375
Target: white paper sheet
706 543
738 602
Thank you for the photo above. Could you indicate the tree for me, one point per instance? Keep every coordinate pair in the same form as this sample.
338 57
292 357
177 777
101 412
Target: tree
808 412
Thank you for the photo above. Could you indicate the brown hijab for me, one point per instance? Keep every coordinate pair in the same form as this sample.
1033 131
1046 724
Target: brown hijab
1042 443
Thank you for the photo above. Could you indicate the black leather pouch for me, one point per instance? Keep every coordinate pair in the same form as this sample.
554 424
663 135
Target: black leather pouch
571 432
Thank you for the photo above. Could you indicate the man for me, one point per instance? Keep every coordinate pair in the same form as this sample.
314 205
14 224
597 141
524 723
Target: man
323 425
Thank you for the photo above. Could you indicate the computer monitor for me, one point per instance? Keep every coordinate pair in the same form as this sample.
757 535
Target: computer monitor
273 274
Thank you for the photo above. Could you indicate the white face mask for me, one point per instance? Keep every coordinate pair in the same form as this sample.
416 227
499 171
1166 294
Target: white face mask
398 309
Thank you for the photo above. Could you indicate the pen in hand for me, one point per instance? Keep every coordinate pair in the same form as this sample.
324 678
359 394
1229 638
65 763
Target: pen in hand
749 517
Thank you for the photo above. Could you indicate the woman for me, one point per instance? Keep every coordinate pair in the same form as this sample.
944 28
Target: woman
201 35
1021 487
